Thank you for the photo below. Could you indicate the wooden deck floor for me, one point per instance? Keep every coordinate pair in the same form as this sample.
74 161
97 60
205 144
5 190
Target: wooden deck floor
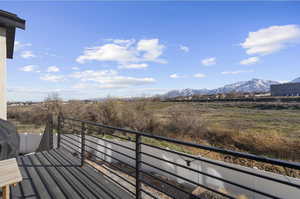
56 174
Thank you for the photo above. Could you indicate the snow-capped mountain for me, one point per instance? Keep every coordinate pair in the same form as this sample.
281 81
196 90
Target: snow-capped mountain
254 85
251 86
186 92
297 80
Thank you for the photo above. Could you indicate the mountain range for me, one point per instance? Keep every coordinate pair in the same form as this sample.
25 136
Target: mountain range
251 86
297 80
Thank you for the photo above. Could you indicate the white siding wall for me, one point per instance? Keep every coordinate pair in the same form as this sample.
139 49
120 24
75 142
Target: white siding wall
3 108
29 142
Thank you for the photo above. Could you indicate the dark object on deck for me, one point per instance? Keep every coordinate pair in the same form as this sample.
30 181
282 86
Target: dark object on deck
47 139
9 140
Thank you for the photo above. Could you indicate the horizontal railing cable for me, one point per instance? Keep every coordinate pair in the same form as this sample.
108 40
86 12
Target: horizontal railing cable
109 149
226 166
72 153
167 183
122 138
112 157
70 146
116 174
112 165
66 135
109 177
69 142
212 176
111 142
157 188
190 181
291 165
82 132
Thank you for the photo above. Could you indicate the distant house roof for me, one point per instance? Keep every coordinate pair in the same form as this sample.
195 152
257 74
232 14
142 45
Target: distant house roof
10 21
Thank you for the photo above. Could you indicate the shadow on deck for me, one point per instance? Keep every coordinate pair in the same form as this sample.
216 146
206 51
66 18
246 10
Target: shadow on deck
57 174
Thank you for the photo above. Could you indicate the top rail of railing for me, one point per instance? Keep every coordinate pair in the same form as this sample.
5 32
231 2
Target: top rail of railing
86 137
283 163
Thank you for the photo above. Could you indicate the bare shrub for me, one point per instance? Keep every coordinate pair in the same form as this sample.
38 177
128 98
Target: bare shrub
108 112
53 103
185 123
29 115
136 116
180 121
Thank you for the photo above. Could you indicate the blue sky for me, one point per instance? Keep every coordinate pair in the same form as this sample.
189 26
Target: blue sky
94 49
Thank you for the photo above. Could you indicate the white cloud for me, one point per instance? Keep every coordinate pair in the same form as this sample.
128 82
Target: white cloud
52 78
28 68
75 68
134 66
39 94
27 54
199 75
19 45
271 39
35 90
108 52
184 48
52 69
209 61
84 85
152 49
125 51
51 54
80 91
126 42
176 76
121 41
236 72
110 79
250 60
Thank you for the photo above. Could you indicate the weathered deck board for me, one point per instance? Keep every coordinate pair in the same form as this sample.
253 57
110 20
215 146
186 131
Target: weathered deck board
9 172
57 174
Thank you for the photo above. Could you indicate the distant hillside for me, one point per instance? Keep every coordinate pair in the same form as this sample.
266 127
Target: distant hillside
186 92
251 86
297 80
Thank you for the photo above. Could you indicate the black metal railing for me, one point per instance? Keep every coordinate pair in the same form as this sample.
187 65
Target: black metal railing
133 172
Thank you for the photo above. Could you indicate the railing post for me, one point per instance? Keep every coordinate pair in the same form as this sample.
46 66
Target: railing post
83 129
138 159
59 124
50 132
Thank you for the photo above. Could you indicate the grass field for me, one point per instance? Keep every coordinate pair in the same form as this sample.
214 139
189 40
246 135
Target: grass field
27 128
246 119
220 115
258 128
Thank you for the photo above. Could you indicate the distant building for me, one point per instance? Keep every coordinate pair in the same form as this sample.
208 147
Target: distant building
287 89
